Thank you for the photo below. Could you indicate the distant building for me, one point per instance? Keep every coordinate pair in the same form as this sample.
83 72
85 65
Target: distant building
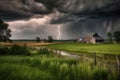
92 38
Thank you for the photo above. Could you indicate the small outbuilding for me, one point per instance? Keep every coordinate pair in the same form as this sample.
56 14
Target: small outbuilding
92 38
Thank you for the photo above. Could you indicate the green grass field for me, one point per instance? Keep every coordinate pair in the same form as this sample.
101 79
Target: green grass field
77 48
51 68
13 68
43 64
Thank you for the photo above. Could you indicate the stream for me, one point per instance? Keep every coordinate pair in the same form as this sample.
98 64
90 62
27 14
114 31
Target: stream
67 54
63 53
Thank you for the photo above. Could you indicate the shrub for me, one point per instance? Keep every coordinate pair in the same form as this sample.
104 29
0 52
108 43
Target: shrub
18 50
43 51
4 51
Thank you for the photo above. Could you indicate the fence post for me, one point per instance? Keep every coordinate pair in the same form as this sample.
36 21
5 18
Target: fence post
118 64
95 61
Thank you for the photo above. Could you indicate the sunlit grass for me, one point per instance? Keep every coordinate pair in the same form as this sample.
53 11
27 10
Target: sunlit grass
87 48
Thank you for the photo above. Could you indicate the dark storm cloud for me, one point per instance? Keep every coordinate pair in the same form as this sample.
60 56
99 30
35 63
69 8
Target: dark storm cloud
20 9
99 25
76 16
85 9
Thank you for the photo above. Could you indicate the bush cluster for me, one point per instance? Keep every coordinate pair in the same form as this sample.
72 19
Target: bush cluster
4 50
43 51
14 50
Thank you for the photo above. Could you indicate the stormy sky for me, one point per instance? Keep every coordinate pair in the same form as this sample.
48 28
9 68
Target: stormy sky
62 19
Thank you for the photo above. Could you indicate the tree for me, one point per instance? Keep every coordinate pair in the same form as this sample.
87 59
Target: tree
50 39
5 32
116 36
109 34
37 39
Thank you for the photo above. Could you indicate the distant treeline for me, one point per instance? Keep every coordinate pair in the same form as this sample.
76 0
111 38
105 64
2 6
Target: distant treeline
34 40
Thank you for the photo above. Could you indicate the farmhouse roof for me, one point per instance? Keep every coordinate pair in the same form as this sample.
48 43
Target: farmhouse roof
94 34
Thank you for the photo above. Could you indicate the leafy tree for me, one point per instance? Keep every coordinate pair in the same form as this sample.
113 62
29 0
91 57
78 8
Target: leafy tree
37 39
109 34
44 40
50 39
116 36
5 32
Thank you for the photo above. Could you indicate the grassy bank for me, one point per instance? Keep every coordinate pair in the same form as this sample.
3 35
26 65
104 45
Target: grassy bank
75 47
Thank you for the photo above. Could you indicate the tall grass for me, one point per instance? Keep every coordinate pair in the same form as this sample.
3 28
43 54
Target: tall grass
48 68
44 67
22 72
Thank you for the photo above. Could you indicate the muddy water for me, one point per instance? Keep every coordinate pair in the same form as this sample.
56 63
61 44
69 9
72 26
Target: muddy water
67 54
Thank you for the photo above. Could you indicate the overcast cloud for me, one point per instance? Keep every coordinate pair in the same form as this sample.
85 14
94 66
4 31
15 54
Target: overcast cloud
32 18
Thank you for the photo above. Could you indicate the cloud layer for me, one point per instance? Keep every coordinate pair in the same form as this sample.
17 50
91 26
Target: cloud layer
19 9
31 18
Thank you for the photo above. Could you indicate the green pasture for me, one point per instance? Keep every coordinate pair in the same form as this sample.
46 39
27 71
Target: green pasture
13 68
51 68
74 47
25 63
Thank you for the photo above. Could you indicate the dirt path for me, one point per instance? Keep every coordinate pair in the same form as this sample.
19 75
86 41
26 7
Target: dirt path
24 43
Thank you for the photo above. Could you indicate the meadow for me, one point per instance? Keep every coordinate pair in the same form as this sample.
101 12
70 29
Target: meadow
78 48
47 68
28 63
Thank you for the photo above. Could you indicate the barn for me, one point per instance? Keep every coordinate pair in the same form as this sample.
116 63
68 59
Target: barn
92 38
